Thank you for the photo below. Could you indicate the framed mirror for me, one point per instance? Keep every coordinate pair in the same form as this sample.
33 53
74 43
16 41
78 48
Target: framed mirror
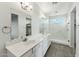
28 26
14 26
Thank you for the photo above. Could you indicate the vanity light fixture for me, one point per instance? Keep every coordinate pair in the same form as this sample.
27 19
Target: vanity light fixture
26 6
54 2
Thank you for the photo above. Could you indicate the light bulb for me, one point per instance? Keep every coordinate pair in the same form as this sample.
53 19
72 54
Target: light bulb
30 6
26 6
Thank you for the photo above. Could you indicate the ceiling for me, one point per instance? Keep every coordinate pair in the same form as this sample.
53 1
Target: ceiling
51 9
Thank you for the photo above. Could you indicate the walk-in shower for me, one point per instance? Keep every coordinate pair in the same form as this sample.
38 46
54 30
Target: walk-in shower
58 28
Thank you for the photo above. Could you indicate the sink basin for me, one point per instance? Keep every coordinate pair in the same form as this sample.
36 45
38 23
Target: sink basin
29 42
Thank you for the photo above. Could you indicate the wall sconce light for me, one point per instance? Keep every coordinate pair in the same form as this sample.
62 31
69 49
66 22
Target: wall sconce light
26 6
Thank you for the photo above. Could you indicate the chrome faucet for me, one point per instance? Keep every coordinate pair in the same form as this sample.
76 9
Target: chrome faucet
25 39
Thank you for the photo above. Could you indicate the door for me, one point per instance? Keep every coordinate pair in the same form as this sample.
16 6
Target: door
38 50
73 28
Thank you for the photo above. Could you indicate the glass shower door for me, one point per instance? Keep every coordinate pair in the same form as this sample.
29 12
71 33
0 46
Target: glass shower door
58 28
44 26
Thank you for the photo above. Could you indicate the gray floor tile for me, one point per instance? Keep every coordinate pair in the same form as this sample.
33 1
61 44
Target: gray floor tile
59 50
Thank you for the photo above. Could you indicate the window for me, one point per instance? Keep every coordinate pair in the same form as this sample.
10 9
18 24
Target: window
58 29
58 20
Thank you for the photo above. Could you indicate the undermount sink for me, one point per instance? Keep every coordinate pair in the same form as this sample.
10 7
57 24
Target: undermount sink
28 42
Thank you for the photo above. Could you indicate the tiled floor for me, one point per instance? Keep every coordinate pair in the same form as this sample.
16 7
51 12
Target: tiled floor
59 50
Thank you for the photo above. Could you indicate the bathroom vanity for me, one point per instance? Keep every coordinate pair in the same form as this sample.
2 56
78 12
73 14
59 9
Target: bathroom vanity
35 46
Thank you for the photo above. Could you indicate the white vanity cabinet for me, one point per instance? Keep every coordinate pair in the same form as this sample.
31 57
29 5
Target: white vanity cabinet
9 54
49 42
28 54
46 44
38 50
33 49
41 49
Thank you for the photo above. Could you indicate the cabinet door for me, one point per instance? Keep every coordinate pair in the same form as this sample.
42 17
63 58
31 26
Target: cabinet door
38 50
45 46
28 54
32 55
49 42
9 54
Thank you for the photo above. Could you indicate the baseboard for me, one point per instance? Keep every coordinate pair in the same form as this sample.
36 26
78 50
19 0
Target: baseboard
60 42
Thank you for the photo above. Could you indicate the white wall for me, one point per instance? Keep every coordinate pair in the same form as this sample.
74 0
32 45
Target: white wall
6 9
60 33
35 20
5 19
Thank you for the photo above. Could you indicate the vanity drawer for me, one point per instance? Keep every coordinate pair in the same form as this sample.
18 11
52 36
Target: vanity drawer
32 55
28 54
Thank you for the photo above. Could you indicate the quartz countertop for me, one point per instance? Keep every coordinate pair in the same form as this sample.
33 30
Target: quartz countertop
18 49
